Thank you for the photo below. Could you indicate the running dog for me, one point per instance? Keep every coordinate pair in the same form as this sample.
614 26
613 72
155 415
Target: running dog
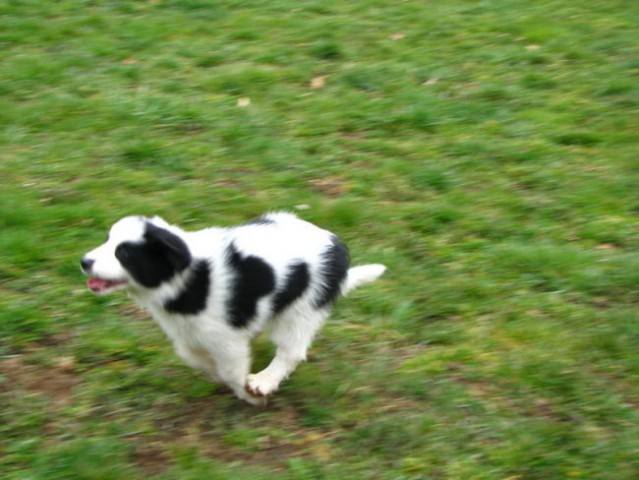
213 290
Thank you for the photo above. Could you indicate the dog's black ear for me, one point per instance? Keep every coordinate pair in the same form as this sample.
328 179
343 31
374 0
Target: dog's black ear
170 245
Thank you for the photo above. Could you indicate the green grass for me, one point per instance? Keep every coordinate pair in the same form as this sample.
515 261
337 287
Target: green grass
486 151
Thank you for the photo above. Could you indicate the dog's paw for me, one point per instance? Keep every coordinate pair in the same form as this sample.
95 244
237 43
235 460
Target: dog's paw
257 401
247 396
260 385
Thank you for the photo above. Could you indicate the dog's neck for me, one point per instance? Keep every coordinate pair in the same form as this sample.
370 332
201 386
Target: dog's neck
178 295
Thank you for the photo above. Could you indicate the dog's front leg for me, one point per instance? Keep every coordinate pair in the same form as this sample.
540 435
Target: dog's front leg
198 359
233 363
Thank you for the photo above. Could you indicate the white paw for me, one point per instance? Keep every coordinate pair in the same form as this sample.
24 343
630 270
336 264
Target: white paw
247 396
261 385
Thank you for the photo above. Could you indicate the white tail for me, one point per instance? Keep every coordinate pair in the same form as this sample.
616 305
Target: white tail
362 274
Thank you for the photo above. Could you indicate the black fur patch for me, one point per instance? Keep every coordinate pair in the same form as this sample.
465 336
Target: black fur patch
157 259
253 279
297 280
335 262
192 300
263 220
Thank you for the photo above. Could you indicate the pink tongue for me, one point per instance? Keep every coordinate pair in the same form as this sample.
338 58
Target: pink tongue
97 284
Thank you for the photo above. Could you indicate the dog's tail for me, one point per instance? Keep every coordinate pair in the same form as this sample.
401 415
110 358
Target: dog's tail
362 274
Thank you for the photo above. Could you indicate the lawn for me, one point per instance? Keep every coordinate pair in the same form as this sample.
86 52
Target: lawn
485 151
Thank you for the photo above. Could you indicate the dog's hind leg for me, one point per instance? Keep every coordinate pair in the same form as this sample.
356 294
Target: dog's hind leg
292 333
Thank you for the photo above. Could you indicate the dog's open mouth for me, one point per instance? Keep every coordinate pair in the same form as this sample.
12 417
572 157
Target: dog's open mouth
100 285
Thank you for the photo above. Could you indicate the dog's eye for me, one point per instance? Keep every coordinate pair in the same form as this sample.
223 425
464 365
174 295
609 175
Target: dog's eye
121 252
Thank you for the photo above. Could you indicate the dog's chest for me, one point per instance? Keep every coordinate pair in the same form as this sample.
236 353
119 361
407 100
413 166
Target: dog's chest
185 330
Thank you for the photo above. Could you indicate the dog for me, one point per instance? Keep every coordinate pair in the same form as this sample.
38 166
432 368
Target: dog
213 290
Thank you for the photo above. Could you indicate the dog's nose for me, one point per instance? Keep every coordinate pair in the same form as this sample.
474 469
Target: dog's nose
87 263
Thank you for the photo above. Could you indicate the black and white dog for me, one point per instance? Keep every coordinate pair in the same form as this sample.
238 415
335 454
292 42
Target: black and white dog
213 290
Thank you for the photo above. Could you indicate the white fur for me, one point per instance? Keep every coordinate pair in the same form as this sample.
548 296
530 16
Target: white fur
206 340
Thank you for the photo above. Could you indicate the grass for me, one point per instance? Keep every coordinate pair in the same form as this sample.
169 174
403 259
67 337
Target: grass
485 151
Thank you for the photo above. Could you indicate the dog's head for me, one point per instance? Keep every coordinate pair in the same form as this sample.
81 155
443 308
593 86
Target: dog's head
139 253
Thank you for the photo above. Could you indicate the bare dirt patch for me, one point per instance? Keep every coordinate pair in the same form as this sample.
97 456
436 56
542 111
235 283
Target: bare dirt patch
331 187
55 383
208 429
150 457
